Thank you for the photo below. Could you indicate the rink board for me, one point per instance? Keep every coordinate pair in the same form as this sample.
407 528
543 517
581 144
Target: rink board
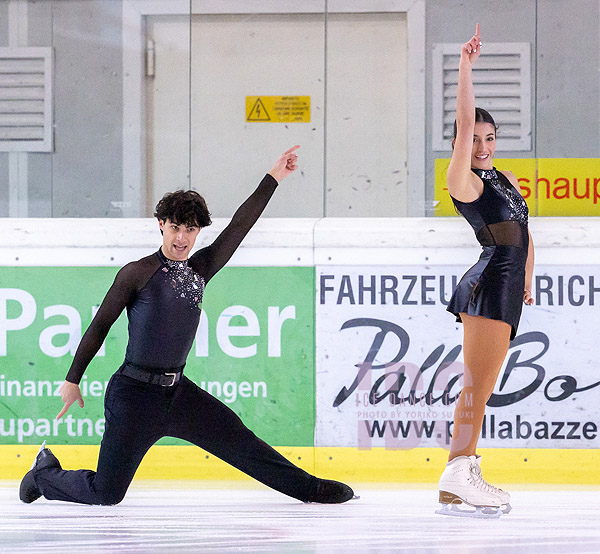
291 323
420 465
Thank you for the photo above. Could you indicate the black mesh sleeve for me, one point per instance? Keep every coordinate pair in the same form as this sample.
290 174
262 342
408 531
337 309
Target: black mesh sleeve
121 293
209 260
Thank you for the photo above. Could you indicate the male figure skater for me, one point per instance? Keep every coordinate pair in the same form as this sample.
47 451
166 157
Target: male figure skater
149 397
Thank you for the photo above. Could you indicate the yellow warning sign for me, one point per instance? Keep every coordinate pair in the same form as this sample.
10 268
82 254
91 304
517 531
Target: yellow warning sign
278 109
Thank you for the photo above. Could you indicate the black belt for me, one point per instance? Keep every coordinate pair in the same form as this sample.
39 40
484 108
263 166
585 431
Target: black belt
163 379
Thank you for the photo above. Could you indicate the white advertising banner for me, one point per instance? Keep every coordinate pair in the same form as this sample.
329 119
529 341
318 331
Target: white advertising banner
389 361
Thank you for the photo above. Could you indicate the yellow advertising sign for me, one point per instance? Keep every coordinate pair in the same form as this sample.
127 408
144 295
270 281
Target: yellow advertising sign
551 186
568 186
278 109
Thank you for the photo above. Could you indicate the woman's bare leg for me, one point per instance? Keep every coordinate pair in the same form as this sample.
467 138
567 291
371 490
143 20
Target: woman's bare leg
485 346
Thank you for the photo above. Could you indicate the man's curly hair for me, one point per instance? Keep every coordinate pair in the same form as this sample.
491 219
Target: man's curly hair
183 207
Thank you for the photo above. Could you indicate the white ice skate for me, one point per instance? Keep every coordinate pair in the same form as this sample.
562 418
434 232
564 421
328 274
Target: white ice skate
461 483
504 496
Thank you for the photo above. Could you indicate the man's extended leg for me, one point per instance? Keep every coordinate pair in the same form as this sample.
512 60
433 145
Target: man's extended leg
201 419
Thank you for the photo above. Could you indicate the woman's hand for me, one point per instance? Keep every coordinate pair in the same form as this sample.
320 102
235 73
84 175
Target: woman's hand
527 298
470 50
285 165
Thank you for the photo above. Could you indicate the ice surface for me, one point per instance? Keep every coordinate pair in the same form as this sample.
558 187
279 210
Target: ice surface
242 517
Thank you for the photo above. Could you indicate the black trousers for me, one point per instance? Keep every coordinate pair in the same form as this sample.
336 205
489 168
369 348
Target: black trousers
138 414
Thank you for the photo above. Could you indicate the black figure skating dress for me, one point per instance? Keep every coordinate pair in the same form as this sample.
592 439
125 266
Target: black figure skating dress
494 286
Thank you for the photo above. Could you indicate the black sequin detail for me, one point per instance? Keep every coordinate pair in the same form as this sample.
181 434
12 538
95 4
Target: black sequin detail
516 203
185 281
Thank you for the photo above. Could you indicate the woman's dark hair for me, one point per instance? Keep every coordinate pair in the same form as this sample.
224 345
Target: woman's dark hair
481 116
183 207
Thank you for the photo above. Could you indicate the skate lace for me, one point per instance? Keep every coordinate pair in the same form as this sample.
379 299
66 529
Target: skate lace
480 482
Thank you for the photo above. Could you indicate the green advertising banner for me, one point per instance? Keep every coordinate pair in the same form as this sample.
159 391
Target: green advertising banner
254 350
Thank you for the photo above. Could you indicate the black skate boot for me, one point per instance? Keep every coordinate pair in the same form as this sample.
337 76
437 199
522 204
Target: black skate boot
332 492
28 491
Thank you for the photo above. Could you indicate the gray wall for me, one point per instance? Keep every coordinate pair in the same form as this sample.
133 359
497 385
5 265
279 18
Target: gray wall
3 155
87 167
564 35
3 22
568 83
84 173
40 164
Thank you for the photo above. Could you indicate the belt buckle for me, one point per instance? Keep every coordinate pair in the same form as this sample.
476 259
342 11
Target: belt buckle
172 375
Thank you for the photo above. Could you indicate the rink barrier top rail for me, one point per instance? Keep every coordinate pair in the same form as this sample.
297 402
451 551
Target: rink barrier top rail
289 242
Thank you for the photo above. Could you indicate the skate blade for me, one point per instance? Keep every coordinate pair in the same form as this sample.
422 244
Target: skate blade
480 512
38 453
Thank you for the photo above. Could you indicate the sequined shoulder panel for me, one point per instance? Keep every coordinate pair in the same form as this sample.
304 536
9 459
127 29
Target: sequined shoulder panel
503 187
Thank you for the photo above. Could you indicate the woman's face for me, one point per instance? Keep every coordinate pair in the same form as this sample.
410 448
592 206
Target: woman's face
484 146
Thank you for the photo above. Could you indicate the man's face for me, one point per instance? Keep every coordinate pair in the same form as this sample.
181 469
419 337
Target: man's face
178 240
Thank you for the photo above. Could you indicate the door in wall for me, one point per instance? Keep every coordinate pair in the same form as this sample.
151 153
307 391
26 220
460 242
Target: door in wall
353 147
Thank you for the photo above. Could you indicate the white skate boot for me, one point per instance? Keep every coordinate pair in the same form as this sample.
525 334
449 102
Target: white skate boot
504 496
462 482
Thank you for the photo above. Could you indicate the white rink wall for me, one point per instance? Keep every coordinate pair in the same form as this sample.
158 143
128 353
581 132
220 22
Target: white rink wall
289 242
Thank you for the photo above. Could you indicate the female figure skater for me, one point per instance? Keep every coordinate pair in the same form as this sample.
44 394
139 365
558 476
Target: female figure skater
488 299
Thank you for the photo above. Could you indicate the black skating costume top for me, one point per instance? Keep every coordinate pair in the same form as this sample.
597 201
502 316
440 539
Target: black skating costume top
163 297
494 286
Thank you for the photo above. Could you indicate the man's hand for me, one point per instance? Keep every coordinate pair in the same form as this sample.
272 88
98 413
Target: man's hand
286 164
69 393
